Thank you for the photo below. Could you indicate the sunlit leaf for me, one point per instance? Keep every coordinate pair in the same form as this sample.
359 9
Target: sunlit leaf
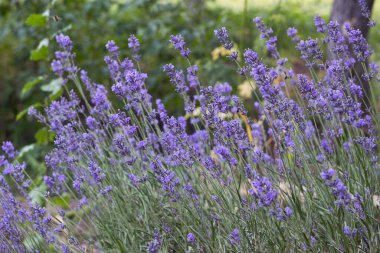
53 87
37 194
36 20
26 149
39 54
29 85
44 136
56 95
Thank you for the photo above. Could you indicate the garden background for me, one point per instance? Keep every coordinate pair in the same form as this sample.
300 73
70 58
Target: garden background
28 56
26 50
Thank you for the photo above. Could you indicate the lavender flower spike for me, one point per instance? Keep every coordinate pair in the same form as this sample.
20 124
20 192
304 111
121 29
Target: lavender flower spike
224 39
134 44
179 44
234 237
112 48
320 24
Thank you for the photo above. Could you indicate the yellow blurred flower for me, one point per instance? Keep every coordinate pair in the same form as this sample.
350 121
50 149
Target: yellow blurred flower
222 115
221 52
196 113
246 88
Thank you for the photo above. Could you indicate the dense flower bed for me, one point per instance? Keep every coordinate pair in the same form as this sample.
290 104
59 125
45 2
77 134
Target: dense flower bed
302 176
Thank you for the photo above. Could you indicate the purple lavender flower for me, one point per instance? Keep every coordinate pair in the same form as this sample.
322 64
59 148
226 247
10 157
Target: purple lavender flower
190 191
356 90
154 246
359 44
91 123
336 40
168 180
112 48
306 87
288 211
250 57
192 77
234 237
272 45
144 141
292 33
179 44
320 24
191 238
176 77
96 172
224 39
63 59
310 51
338 188
9 149
371 72
366 12
358 205
106 190
369 144
64 42
82 202
225 154
326 145
134 44
349 232
266 33
57 67
328 174
263 191
313 240
133 179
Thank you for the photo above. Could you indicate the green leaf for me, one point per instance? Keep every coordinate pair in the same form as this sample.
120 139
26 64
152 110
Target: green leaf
37 194
44 42
36 20
53 87
44 136
29 85
21 114
46 13
56 95
26 149
39 54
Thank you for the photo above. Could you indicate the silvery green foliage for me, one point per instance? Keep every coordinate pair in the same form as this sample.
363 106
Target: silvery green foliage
300 178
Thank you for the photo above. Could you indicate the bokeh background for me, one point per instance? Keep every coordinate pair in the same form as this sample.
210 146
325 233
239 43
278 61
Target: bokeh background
27 45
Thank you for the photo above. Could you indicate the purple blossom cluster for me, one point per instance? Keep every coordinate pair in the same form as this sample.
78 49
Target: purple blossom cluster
20 216
224 39
363 4
140 168
343 198
178 42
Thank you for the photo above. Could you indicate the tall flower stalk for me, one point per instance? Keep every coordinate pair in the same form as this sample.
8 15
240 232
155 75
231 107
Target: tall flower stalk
301 178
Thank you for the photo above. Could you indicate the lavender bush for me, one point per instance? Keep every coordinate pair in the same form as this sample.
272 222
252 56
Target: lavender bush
300 177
